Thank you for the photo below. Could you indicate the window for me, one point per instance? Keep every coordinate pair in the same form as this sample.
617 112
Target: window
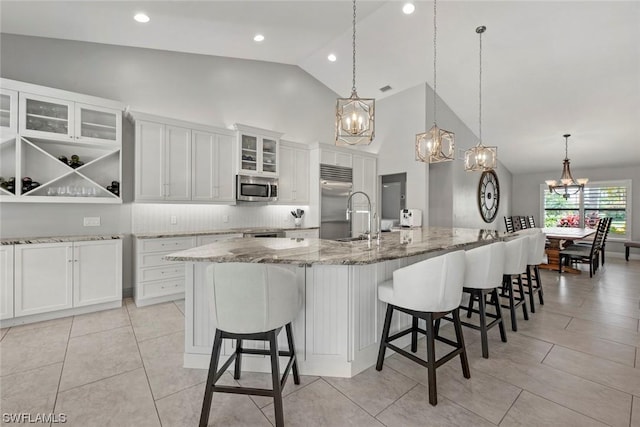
599 200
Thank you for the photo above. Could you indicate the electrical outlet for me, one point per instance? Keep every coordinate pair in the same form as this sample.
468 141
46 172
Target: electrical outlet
173 220
225 218
91 221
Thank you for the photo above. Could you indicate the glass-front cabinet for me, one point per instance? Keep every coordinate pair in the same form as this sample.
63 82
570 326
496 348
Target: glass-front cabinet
258 151
97 124
8 112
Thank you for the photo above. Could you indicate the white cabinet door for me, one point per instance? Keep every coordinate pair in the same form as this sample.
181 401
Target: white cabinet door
6 282
150 159
97 124
43 278
212 167
97 272
177 163
8 112
45 117
301 194
336 158
287 180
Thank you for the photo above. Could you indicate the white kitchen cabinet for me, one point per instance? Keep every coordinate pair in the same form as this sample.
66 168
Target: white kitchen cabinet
97 124
6 282
335 158
365 179
212 167
56 276
163 162
293 183
8 112
43 278
97 272
258 151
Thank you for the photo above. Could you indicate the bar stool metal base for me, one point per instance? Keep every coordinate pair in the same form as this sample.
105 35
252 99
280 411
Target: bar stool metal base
431 363
278 382
514 302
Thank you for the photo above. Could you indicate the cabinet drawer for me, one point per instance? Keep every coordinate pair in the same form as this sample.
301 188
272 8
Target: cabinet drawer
168 245
158 273
164 287
153 259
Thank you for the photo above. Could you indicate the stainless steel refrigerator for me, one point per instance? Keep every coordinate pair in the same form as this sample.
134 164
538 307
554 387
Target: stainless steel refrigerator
336 183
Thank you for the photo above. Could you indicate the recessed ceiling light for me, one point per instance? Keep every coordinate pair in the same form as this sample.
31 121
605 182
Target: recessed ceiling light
332 57
141 17
258 38
408 8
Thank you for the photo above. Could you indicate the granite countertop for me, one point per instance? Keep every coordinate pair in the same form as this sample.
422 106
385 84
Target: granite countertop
393 245
56 239
161 234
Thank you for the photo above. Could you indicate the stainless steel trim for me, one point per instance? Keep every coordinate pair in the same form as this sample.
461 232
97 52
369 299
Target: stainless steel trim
278 233
336 173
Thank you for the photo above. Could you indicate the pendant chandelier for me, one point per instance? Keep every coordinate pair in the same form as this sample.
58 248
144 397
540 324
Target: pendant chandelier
480 157
436 145
355 116
568 186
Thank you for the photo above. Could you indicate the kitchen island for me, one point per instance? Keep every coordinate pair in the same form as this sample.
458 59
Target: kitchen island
338 328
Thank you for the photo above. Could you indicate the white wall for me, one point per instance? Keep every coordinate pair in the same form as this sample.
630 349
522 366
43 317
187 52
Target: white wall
526 191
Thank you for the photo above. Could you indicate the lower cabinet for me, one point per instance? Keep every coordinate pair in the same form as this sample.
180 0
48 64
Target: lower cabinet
6 282
57 276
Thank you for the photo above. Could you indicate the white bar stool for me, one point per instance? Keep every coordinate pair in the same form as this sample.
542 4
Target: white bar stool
535 257
515 264
252 302
426 290
482 277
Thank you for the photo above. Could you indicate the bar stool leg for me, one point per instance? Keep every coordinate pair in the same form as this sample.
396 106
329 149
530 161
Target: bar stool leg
512 309
470 309
385 337
483 324
414 334
523 298
296 375
213 370
539 284
238 363
431 360
460 338
530 288
496 301
275 377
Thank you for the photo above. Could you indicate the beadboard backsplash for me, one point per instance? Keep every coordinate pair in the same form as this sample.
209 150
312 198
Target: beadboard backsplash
152 217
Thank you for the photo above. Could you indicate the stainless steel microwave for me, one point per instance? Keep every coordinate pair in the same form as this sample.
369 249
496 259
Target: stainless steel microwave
256 189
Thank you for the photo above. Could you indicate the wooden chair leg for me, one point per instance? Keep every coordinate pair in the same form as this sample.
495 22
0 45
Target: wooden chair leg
523 298
483 324
414 334
512 306
213 370
431 361
238 363
460 339
539 285
292 350
530 289
275 379
469 310
385 337
496 301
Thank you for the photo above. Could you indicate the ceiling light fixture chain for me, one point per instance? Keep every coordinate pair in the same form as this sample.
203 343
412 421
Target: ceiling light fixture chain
435 145
480 30
353 43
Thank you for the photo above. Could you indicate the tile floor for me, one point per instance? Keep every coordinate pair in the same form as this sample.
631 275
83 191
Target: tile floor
575 362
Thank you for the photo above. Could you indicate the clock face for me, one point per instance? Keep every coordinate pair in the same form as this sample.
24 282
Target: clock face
488 196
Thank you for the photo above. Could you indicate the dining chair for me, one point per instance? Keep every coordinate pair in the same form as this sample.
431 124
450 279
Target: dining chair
585 254
508 222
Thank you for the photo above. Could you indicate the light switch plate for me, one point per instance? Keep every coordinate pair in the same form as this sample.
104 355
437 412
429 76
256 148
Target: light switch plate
173 220
225 218
91 221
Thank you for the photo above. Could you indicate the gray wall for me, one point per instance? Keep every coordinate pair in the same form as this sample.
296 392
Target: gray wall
203 89
526 191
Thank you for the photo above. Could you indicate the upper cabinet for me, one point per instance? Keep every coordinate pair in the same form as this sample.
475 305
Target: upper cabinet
212 177
51 118
335 158
8 112
258 151
293 183
58 146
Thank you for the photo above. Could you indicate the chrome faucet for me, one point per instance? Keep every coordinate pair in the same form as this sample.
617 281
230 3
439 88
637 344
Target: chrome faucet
368 212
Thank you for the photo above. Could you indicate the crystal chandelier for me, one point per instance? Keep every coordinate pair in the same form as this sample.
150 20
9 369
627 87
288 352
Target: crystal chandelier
480 157
436 145
568 186
354 115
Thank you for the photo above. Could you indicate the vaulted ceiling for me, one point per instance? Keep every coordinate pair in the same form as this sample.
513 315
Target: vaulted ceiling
549 68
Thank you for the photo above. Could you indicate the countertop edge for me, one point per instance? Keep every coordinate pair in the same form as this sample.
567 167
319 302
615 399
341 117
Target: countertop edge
169 234
58 239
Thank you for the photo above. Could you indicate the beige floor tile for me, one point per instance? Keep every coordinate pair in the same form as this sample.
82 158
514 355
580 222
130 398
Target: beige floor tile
3 332
96 356
413 409
319 404
63 323
163 359
595 316
610 350
517 348
233 410
635 413
100 321
609 332
587 397
26 349
540 319
531 411
638 358
263 380
611 374
373 391
624 310
119 401
30 392
180 304
155 320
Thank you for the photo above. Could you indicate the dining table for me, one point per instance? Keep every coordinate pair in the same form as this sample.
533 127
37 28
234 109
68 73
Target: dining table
560 238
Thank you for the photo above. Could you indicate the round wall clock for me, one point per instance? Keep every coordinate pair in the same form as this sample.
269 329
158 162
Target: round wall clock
488 195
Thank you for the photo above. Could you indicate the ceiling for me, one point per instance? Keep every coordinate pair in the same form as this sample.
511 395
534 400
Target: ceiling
549 68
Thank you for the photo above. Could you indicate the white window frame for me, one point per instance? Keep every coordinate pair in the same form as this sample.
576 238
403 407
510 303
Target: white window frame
613 183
